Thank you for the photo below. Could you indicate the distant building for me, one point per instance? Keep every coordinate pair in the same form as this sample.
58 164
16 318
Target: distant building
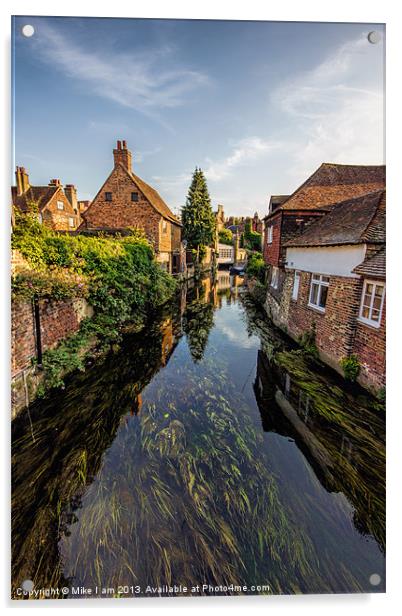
125 201
83 206
220 218
57 207
257 224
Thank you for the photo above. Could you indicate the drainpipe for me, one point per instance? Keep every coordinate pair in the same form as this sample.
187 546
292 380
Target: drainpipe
37 330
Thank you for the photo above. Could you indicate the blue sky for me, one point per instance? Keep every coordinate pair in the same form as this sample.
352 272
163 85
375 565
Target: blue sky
257 105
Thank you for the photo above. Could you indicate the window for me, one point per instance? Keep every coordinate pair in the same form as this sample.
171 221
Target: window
71 222
275 277
296 283
270 234
60 205
108 196
372 303
134 196
164 226
319 291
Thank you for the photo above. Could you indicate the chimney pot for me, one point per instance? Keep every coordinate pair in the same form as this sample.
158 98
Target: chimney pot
119 145
124 145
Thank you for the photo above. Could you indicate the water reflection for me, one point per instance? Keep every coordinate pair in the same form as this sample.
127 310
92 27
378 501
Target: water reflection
152 468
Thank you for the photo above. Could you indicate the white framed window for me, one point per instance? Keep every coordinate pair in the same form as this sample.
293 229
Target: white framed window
71 222
318 291
372 302
296 284
270 233
60 205
275 277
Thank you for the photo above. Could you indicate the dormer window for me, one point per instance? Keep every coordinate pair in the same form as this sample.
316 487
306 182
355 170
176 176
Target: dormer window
108 196
134 196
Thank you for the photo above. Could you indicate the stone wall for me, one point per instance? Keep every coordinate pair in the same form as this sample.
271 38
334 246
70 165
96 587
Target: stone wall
59 220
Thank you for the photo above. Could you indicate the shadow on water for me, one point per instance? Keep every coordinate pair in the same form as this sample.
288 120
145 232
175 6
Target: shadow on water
152 469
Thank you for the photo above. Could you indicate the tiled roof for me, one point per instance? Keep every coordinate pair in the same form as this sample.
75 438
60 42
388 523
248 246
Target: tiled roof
373 267
349 222
154 198
35 194
332 183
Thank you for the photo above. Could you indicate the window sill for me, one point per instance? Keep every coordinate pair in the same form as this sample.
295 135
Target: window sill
316 308
372 324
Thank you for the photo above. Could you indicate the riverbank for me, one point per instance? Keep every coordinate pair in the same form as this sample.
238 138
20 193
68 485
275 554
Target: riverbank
72 296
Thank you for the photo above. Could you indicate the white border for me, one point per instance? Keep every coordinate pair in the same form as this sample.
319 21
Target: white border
289 10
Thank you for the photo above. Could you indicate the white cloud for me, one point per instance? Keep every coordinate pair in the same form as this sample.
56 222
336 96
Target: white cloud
141 81
337 109
243 152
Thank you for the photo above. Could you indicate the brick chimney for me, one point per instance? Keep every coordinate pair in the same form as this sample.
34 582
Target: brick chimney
71 193
55 182
122 155
22 179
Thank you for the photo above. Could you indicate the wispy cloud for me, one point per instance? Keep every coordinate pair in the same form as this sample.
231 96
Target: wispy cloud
337 109
243 153
144 81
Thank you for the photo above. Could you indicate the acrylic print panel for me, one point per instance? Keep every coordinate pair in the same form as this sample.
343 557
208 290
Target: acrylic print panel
198 320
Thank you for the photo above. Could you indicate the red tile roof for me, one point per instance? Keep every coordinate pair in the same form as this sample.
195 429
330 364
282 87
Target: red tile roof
373 267
39 195
355 221
332 183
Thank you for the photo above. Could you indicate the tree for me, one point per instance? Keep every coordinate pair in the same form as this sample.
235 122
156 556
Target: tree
226 236
197 215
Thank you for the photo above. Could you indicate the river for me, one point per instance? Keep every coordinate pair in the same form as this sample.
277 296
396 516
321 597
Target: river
207 453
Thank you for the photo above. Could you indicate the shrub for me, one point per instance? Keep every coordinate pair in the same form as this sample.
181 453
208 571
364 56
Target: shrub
256 267
226 236
351 367
308 343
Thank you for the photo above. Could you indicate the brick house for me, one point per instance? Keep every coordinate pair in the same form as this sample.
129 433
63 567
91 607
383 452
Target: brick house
57 206
289 215
333 283
126 201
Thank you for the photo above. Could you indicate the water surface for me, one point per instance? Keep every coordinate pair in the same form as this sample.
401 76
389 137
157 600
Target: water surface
201 453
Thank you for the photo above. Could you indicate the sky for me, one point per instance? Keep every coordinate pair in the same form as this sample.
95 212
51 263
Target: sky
257 105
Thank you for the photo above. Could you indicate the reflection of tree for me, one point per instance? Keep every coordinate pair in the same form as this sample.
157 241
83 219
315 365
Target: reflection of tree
198 320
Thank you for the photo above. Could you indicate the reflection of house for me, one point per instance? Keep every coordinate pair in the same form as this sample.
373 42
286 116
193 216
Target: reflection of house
337 450
57 206
126 201
313 242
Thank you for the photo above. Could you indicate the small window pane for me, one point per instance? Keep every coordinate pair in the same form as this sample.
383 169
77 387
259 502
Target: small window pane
323 296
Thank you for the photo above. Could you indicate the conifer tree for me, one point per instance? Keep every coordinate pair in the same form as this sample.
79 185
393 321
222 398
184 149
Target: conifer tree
197 215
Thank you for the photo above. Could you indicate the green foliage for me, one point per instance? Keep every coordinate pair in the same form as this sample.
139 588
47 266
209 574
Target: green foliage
307 342
198 320
119 277
351 367
226 236
251 239
256 267
197 215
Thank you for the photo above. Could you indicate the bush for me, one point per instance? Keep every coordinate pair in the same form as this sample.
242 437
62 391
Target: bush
308 343
256 267
351 367
226 237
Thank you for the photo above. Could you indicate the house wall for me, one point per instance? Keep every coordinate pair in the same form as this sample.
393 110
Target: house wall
56 219
369 345
271 251
331 260
121 212
338 332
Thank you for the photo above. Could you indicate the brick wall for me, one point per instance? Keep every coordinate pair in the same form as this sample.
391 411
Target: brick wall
56 219
121 212
369 346
271 251
58 320
338 331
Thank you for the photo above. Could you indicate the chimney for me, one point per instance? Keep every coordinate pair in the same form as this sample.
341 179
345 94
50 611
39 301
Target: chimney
22 180
71 193
122 155
55 182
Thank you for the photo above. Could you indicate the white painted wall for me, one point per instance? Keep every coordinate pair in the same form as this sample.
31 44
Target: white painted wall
330 260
